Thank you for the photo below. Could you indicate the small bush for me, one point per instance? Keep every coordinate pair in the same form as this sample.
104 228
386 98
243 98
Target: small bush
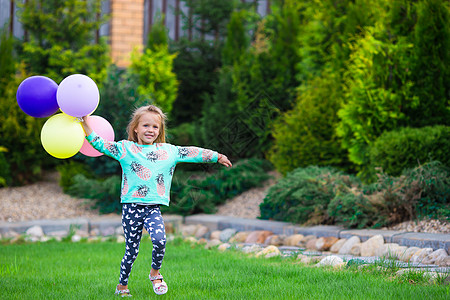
420 192
303 196
192 196
395 151
355 210
67 172
106 192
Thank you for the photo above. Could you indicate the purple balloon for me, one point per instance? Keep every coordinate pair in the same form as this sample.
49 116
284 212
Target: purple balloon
36 96
78 95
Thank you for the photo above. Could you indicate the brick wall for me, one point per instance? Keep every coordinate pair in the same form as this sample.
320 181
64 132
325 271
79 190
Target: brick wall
127 25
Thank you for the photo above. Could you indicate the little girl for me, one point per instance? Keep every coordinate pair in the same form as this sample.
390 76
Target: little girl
148 164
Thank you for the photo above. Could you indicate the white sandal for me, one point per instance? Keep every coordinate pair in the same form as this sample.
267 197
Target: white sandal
159 288
122 293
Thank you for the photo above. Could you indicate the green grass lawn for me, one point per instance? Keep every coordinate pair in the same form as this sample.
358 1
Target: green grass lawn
90 271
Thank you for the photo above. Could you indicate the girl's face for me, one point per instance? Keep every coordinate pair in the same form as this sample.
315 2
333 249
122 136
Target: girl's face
148 128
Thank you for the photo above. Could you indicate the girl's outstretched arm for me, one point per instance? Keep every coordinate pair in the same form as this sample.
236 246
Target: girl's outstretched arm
86 127
222 159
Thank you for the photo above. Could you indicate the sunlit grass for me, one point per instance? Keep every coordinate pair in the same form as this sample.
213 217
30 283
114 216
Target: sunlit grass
90 271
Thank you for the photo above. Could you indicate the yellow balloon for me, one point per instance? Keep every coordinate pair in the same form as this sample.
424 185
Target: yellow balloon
62 136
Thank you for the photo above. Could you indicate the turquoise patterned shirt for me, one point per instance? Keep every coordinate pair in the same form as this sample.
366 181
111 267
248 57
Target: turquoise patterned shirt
147 170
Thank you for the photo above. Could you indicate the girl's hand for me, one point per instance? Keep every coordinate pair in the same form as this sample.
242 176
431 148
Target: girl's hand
224 160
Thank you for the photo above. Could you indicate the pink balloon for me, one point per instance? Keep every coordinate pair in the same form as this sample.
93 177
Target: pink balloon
103 129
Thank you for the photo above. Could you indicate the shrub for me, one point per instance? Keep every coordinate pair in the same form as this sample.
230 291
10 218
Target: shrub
106 192
354 209
306 134
153 70
67 172
420 192
303 196
395 151
191 196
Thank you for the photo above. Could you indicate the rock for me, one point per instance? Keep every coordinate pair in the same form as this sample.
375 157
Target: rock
347 246
201 231
294 240
331 260
433 257
224 247
75 238
305 259
212 244
190 239
59 233
408 253
387 250
275 240
108 231
82 233
368 247
120 239
169 227
239 237
420 255
311 244
269 251
308 238
251 249
356 249
94 232
226 234
325 243
118 230
35 231
258 237
202 241
443 261
215 235
188 230
337 246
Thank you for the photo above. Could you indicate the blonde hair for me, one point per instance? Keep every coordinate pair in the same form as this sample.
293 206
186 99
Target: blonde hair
134 122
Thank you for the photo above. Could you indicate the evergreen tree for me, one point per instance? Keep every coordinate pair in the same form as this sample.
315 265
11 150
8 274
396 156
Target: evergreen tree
431 64
61 35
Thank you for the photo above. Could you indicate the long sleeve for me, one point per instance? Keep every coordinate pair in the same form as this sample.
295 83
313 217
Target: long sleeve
195 155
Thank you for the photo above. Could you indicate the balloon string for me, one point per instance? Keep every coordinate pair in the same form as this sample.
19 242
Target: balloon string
79 119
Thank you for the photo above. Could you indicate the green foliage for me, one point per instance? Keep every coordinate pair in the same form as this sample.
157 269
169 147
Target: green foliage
270 59
420 192
106 192
209 16
305 135
395 151
215 129
60 35
158 37
303 196
356 211
196 67
157 82
20 135
67 172
431 64
7 62
376 94
316 195
182 135
190 196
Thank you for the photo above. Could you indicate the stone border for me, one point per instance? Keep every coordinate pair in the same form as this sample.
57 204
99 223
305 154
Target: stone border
410 239
214 222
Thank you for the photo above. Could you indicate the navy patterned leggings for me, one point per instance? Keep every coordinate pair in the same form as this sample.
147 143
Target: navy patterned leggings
134 218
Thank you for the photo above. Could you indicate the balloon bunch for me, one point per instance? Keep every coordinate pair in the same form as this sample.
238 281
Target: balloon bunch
62 135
